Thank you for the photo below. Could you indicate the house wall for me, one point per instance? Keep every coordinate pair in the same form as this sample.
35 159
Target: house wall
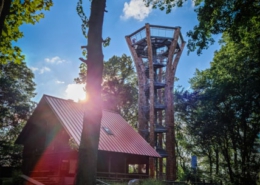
46 146
47 151
112 162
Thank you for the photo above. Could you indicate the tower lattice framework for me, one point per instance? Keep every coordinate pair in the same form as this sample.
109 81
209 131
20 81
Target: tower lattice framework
156 51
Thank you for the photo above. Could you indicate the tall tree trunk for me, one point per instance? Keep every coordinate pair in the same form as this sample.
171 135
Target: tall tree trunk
87 164
173 60
210 157
217 161
5 6
225 148
160 118
139 64
151 96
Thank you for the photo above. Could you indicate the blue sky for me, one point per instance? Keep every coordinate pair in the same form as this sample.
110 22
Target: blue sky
52 46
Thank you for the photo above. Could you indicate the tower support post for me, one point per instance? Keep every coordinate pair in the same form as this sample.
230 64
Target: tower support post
156 58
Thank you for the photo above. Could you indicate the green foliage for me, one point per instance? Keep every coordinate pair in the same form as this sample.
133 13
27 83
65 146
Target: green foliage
221 114
106 42
83 18
237 18
7 182
17 89
10 154
20 12
85 25
145 182
73 145
165 5
119 87
15 180
152 182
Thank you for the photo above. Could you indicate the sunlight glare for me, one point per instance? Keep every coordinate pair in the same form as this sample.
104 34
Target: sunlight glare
76 92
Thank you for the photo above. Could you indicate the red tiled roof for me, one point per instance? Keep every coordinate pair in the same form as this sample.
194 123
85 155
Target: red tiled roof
124 139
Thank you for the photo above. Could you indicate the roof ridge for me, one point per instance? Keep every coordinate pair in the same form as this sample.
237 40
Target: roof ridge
46 95
78 103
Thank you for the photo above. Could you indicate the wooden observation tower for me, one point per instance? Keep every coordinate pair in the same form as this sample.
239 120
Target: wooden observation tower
156 51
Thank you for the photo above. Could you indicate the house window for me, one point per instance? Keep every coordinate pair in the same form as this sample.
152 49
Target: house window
64 165
136 168
107 130
72 166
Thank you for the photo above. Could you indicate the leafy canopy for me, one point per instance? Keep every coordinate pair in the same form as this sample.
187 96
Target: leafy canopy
237 18
119 87
17 89
222 113
20 12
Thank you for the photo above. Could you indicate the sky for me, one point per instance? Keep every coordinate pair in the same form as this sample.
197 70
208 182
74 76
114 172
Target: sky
52 47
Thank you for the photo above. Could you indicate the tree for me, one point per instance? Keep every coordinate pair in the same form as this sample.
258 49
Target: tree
218 102
222 113
237 18
17 89
87 162
119 87
14 13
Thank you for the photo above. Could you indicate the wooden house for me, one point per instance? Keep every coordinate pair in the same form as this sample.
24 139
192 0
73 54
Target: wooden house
55 127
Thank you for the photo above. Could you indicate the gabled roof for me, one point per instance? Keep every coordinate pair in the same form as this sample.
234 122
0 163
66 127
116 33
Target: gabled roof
124 138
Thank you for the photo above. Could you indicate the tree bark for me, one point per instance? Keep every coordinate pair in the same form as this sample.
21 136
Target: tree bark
173 60
141 86
169 118
151 97
160 118
5 6
88 149
217 161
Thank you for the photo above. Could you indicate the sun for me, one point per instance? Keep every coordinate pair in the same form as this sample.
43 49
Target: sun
76 92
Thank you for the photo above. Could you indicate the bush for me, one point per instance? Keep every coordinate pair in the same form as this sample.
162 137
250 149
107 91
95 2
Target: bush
16 179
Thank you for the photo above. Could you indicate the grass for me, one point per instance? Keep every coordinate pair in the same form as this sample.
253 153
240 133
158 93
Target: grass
152 182
7 181
143 182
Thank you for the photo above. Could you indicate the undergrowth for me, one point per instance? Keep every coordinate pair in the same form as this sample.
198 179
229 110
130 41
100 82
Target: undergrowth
143 182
